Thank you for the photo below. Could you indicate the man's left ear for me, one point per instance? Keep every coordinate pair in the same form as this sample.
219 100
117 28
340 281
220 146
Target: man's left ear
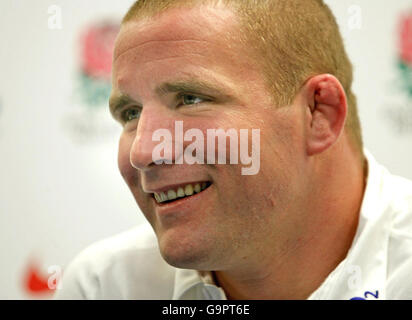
327 110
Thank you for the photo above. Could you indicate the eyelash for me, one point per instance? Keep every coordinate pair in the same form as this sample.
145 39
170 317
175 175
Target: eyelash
124 114
180 97
183 95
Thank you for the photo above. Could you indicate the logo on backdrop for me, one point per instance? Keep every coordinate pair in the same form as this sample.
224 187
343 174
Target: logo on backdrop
399 110
405 53
89 119
96 52
38 283
1 111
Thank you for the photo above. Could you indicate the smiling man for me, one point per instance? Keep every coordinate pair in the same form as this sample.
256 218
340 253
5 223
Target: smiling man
320 219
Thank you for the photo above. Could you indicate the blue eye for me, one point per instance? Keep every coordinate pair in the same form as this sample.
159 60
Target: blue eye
130 114
189 99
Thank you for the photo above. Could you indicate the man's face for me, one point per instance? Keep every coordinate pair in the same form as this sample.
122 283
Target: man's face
179 67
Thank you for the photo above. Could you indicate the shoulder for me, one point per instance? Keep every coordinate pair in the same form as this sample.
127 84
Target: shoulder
125 266
390 195
399 205
388 211
399 264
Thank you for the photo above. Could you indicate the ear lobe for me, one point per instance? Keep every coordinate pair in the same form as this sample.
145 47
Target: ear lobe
328 109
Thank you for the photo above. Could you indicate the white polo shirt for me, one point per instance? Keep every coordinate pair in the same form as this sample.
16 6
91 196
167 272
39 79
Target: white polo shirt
378 265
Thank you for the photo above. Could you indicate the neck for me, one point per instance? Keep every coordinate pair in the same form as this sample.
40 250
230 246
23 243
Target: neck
332 211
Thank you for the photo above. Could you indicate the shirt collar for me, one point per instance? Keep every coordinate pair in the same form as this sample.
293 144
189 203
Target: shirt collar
368 253
194 285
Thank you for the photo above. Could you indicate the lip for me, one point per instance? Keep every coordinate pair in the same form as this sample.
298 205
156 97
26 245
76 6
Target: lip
183 205
174 186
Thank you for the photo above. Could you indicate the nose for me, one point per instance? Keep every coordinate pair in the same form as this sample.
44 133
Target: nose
153 143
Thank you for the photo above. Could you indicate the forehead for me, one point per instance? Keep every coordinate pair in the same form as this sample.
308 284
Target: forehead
210 25
182 44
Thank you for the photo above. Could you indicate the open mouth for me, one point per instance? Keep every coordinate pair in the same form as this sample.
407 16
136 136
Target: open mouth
183 192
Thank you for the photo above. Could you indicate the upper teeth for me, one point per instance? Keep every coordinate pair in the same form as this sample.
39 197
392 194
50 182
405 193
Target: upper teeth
181 192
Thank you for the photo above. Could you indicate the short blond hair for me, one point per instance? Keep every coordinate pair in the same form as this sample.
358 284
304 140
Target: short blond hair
297 39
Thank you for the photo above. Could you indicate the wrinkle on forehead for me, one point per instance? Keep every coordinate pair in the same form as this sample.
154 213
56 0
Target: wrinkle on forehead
149 42
177 24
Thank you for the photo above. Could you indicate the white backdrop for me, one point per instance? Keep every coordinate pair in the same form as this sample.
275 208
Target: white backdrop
60 189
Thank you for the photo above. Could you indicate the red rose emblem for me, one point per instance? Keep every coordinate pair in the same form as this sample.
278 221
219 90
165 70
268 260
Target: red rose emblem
406 38
97 50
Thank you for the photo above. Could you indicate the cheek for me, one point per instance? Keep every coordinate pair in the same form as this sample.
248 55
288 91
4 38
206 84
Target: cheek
128 173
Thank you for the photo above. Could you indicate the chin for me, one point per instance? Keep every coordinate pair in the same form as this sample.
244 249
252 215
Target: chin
182 252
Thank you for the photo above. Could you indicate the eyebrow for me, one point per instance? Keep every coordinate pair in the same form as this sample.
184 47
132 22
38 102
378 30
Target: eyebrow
119 101
194 86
